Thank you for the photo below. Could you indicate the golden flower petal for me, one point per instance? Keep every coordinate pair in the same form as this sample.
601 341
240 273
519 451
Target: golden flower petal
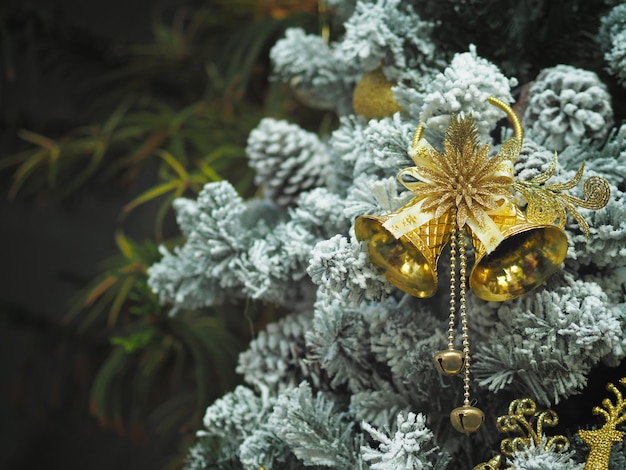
463 177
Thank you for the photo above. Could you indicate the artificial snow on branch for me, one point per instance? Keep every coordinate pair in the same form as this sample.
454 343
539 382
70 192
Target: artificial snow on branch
537 457
315 71
341 268
412 446
200 273
386 32
315 430
545 343
463 87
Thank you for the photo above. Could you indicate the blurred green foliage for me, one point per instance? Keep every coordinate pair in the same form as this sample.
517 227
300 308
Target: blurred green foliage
178 110
194 92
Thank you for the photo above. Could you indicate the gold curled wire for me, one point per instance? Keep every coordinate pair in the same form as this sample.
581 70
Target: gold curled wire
512 115
498 103
524 419
547 203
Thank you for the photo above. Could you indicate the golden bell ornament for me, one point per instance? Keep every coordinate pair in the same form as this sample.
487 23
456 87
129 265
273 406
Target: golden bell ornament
462 190
373 97
449 361
467 419
527 256
410 261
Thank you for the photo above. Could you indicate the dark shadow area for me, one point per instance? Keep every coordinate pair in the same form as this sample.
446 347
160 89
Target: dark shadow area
47 250
108 112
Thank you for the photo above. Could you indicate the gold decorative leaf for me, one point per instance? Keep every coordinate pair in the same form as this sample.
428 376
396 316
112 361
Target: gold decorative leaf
547 204
510 149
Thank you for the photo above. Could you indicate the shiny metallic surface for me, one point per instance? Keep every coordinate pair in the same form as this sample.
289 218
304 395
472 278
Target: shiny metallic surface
467 419
408 262
449 361
525 259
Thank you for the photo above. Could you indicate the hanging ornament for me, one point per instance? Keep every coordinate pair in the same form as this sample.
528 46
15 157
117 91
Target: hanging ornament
373 97
601 440
524 419
464 191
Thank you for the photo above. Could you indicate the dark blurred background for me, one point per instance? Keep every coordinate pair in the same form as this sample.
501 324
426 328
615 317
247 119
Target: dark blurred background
93 372
47 248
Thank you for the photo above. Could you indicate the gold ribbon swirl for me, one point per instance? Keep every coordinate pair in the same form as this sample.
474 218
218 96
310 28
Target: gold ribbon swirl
546 203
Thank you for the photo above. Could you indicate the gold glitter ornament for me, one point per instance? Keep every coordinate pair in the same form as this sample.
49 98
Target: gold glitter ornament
524 419
493 464
373 97
462 179
601 440
462 185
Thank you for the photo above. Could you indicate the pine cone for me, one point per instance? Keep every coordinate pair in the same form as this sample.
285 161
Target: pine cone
278 355
568 106
287 159
612 40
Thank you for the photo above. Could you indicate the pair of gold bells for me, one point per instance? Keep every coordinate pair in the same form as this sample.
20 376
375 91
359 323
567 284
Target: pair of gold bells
528 255
459 191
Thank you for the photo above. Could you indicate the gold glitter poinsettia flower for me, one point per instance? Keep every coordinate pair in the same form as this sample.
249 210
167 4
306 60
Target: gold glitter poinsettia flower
463 180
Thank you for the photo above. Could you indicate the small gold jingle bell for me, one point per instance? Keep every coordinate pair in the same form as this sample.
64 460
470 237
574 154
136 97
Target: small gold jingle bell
449 361
467 418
